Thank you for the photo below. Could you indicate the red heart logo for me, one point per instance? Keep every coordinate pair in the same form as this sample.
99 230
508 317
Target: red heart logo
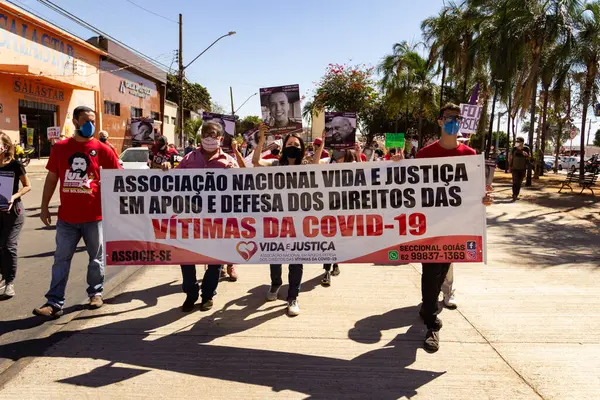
246 249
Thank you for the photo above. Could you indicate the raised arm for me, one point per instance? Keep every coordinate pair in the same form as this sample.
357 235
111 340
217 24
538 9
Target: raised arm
238 156
256 160
319 149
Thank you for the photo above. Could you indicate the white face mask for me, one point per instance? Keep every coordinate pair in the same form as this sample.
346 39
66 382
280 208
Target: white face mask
210 144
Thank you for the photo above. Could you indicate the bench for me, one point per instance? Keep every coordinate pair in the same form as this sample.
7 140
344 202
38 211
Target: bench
571 178
588 181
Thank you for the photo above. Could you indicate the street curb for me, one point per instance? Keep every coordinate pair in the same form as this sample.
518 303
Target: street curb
15 367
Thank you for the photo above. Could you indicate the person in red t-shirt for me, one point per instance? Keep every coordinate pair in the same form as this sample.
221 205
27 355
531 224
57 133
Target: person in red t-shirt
76 163
161 154
434 274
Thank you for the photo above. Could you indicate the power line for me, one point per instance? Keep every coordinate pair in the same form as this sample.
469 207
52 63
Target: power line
89 26
152 12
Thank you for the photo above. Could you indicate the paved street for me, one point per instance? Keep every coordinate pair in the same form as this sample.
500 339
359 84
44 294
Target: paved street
36 249
524 329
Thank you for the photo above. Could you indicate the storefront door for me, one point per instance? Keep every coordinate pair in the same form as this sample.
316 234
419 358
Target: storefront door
40 116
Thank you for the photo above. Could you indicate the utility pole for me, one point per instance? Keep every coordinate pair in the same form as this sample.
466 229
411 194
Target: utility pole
180 80
587 143
231 95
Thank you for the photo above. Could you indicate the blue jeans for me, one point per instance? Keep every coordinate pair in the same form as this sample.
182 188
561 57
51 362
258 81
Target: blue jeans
67 238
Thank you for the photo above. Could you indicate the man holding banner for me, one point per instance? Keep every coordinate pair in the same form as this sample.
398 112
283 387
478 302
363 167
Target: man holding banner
211 156
434 274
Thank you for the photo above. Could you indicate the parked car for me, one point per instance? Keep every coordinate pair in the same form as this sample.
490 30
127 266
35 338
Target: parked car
135 158
568 163
549 162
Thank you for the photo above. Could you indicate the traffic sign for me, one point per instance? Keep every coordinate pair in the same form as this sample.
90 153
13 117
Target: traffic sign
573 133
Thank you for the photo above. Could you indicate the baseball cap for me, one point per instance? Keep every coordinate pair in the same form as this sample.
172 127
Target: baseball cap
318 141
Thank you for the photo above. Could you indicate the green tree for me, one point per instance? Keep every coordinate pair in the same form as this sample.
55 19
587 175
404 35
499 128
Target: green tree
249 122
343 88
587 57
597 138
407 77
195 96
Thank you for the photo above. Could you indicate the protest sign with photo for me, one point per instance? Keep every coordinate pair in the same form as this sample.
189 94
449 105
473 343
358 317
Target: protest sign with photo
7 181
470 113
53 132
227 122
281 109
341 130
141 130
386 213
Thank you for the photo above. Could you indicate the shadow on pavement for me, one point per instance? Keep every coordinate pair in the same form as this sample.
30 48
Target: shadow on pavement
79 249
378 374
545 239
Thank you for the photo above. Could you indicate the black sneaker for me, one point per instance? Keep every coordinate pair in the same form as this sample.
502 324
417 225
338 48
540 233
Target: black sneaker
188 304
336 270
206 305
326 281
432 341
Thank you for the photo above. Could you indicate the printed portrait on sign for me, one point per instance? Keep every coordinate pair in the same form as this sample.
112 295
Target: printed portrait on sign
142 131
281 109
341 130
227 123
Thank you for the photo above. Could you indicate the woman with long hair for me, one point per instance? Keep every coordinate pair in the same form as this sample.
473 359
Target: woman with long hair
11 214
292 153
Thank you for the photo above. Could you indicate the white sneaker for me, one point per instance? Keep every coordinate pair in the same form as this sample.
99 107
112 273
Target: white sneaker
450 301
9 291
2 284
272 293
293 308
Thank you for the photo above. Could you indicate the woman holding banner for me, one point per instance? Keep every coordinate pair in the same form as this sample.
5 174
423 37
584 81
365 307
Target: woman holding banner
292 153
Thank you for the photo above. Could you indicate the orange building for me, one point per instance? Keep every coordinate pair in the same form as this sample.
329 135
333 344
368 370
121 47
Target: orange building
131 88
44 74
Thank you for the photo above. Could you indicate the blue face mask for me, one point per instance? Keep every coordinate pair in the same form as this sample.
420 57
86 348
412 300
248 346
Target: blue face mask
452 127
87 130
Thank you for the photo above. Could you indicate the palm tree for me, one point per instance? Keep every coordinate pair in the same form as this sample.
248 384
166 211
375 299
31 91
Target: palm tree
440 33
406 75
587 57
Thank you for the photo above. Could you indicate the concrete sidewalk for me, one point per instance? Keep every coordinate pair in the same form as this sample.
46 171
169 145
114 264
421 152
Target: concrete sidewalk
526 328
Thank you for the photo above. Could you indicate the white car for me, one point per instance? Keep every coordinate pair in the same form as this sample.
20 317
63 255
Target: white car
135 158
568 163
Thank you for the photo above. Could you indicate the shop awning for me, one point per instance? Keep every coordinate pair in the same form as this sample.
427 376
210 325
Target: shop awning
28 72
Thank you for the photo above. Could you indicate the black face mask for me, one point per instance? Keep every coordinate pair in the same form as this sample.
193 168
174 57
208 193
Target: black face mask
275 152
291 152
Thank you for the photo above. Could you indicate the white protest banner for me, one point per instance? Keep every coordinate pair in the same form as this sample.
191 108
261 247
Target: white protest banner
470 114
53 132
422 210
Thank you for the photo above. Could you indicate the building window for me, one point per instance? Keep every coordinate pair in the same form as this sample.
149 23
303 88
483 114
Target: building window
154 115
136 112
167 120
173 120
111 108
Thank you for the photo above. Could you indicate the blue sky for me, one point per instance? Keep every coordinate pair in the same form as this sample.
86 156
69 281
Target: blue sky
277 42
